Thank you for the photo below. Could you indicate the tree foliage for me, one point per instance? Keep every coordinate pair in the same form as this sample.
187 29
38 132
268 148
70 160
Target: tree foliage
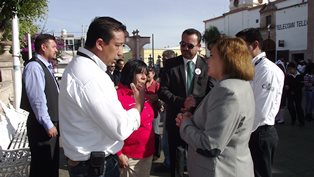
27 10
211 34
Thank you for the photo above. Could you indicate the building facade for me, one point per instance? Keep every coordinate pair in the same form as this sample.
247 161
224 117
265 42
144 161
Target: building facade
286 26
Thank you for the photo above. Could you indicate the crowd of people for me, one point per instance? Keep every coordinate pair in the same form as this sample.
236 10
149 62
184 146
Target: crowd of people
219 111
299 85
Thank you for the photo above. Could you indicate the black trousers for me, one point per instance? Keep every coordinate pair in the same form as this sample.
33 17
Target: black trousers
44 151
295 108
111 168
174 141
263 144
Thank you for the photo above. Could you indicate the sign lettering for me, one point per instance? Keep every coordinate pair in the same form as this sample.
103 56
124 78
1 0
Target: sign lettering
300 23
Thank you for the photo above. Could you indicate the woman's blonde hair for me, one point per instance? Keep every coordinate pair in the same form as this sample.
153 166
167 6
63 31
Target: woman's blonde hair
236 58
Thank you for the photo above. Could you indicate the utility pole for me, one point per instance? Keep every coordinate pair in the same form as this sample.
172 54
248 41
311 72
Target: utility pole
153 50
17 75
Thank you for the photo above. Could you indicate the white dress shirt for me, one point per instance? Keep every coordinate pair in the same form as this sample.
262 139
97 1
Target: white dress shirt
267 87
91 116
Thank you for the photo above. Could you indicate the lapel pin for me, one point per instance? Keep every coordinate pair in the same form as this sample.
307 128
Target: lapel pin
198 71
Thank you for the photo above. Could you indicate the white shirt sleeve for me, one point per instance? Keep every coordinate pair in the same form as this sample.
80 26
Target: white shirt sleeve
101 102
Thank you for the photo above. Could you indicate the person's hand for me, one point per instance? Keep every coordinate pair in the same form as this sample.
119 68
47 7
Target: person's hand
138 93
189 103
123 160
181 117
53 132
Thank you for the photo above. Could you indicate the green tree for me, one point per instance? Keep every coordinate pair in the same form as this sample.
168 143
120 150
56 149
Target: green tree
210 36
28 12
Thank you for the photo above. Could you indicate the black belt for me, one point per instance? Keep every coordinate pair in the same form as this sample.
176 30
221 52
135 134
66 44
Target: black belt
209 153
265 127
74 163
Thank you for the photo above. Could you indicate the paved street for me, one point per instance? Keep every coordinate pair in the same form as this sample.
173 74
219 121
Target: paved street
294 156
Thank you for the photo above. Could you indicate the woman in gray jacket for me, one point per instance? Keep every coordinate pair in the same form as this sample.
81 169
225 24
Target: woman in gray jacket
218 132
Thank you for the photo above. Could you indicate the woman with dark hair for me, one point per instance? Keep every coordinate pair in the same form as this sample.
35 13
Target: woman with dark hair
218 132
152 87
136 156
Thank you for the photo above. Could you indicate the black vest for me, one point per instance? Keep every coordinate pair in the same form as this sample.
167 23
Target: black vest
51 92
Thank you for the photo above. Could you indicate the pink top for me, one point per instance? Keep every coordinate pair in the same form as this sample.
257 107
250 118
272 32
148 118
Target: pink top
141 143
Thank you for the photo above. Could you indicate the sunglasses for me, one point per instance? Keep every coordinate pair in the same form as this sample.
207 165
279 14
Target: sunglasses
189 45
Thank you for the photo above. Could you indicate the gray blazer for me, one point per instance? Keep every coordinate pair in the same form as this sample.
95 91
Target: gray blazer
219 132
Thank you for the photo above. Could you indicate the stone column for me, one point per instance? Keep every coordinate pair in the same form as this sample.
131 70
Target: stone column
6 62
6 73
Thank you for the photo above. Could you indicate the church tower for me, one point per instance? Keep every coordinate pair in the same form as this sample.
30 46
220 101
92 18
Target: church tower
236 4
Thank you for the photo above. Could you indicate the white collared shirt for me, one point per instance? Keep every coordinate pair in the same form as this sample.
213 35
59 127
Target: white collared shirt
267 86
91 116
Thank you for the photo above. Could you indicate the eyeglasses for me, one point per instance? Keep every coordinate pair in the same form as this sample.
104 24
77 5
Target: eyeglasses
189 45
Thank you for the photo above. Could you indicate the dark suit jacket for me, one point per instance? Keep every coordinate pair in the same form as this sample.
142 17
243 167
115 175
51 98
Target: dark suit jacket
113 77
173 86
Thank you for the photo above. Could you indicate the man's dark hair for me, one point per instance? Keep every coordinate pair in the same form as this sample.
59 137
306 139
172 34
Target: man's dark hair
250 35
191 31
168 54
130 69
102 27
118 66
41 39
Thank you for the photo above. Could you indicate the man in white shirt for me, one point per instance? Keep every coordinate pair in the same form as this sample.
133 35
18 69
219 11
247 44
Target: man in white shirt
267 87
93 123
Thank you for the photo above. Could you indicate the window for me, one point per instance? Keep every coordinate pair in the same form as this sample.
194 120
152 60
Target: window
268 20
235 3
69 44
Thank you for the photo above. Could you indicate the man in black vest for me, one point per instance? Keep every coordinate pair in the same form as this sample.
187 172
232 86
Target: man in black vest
40 98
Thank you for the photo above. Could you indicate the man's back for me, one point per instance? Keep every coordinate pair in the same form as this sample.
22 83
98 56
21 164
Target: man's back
267 87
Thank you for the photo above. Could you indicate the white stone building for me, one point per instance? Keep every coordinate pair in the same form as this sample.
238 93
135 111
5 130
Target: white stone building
286 25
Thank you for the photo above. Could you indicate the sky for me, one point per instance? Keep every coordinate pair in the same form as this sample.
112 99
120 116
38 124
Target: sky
166 19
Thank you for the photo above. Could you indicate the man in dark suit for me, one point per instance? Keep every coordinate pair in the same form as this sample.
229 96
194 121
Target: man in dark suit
110 72
183 85
119 66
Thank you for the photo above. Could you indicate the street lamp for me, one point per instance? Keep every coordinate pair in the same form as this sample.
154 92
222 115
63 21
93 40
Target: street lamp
150 61
17 74
157 66
268 29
